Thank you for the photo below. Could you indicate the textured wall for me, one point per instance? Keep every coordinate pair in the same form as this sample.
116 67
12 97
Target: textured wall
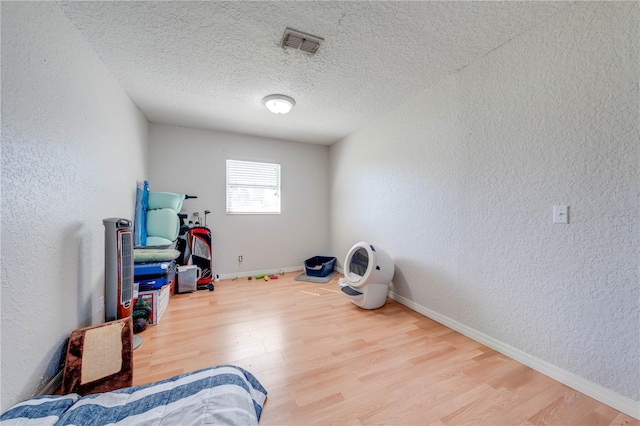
73 145
458 186
193 161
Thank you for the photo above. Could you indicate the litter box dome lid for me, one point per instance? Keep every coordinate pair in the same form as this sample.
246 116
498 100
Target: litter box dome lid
365 264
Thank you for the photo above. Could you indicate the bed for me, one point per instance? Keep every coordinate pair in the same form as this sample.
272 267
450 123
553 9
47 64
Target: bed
222 395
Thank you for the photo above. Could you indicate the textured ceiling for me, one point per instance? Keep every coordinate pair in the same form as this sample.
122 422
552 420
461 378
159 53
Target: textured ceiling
209 64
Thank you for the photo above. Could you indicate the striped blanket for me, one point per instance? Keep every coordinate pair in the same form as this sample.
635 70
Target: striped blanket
223 395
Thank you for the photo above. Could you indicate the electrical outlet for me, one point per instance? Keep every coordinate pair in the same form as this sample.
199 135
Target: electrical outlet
240 258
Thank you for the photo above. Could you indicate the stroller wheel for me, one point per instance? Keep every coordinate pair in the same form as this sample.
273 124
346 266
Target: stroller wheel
210 287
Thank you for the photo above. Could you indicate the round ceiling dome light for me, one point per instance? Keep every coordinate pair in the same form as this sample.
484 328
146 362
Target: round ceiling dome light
279 104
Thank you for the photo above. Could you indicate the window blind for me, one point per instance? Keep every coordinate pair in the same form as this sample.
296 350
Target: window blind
253 187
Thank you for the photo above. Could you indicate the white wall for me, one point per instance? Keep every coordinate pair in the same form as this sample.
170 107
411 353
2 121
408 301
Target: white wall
458 186
73 146
192 161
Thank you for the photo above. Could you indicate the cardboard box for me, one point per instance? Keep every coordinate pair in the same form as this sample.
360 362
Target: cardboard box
157 300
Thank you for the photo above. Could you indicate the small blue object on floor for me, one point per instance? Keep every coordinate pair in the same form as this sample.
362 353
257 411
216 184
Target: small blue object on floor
319 280
319 266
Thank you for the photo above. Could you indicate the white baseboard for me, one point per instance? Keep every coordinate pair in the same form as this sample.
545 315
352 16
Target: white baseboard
245 274
595 391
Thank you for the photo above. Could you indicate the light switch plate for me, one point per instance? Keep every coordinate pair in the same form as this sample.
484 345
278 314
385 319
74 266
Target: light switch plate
560 214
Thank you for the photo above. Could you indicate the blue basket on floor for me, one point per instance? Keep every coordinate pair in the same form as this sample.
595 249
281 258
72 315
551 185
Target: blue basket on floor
319 266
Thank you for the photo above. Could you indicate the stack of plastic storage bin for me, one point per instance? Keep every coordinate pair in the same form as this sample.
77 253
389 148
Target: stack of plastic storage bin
155 280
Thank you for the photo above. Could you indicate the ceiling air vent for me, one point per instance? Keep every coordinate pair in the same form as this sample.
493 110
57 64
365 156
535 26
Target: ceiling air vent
294 39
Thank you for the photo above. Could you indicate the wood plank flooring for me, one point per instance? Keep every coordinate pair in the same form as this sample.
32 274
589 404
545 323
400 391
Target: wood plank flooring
325 361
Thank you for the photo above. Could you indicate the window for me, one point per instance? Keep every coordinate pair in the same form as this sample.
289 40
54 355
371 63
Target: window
253 187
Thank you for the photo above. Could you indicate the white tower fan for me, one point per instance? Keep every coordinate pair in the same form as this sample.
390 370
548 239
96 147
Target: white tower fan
118 286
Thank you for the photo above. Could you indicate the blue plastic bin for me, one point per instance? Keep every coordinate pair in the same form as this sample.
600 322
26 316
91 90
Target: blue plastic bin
319 266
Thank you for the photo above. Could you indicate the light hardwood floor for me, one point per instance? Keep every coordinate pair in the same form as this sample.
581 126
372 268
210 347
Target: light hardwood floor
325 361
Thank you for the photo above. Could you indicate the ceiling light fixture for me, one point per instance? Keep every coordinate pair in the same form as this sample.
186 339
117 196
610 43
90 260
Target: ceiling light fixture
279 104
